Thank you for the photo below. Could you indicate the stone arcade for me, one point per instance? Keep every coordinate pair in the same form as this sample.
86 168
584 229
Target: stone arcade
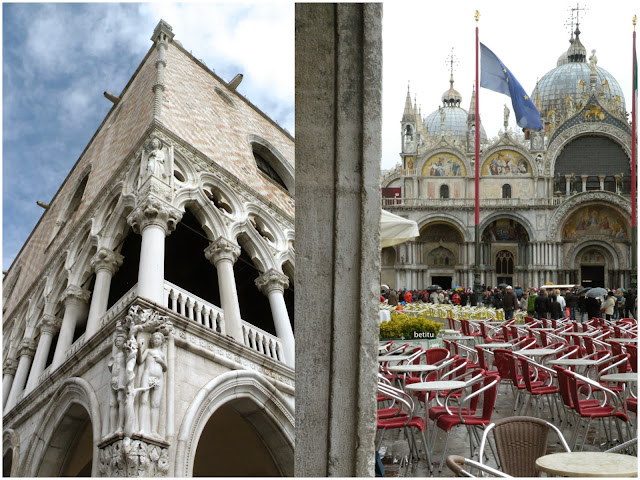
148 319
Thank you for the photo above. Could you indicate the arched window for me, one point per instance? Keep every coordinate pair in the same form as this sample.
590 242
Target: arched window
444 191
506 191
272 165
504 263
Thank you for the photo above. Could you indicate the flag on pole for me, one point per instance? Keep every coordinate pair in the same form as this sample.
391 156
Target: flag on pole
495 76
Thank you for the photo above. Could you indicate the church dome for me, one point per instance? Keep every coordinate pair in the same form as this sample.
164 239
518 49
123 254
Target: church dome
455 118
455 121
571 78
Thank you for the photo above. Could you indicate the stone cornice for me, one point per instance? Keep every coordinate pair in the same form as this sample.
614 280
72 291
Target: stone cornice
222 249
106 259
272 280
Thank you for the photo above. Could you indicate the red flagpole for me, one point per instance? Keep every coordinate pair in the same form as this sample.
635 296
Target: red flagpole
477 163
634 154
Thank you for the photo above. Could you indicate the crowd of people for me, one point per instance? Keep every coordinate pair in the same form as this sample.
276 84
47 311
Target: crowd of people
537 302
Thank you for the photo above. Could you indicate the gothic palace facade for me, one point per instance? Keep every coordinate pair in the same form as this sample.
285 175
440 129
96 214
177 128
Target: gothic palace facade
555 206
148 319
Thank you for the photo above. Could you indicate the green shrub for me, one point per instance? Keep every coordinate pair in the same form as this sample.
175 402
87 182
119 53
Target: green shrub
403 326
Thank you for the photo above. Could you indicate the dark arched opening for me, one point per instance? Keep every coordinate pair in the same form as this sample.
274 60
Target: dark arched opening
127 275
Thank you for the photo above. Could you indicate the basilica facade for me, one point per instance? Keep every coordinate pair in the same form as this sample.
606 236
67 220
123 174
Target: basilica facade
148 319
555 205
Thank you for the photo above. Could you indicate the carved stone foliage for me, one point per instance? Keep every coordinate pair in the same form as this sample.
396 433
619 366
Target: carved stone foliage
134 458
222 249
106 259
272 280
138 374
153 211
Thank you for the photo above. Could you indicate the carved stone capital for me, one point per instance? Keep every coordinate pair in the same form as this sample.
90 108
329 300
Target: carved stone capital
272 280
106 259
27 347
75 294
222 249
163 33
49 324
134 457
153 211
9 367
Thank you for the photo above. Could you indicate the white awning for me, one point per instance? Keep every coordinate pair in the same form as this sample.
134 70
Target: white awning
395 229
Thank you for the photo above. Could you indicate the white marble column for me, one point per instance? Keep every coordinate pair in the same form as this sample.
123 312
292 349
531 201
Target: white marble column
8 372
272 283
105 263
49 325
26 351
154 219
75 301
223 254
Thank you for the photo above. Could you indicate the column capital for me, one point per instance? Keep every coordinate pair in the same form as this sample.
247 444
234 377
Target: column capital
9 367
222 249
272 280
27 347
49 324
106 259
74 293
151 210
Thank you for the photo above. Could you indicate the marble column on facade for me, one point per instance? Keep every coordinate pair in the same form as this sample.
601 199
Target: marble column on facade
153 219
338 144
567 180
8 373
105 264
584 182
601 179
25 354
223 254
48 325
75 302
272 283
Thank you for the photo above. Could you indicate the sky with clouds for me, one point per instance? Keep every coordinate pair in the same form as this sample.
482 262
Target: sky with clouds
58 59
527 36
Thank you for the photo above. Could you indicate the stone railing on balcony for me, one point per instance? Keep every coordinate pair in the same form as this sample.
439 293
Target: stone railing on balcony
193 307
261 341
210 316
469 202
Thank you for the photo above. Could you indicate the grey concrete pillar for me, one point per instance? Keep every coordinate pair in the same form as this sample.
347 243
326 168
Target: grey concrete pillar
338 147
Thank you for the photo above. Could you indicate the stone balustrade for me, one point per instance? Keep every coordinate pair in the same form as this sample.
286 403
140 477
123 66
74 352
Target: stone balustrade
193 307
261 341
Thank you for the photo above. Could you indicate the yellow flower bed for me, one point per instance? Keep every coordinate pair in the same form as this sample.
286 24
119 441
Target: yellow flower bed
404 326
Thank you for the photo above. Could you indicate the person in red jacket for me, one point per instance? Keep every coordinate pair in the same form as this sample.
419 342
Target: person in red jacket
407 296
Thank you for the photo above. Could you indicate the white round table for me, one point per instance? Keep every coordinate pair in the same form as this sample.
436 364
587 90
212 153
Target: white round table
623 340
536 352
589 464
620 377
393 358
495 345
577 362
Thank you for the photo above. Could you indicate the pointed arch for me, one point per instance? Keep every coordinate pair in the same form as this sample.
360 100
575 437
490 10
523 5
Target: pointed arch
277 166
73 391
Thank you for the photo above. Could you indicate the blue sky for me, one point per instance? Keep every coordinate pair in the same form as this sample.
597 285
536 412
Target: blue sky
58 59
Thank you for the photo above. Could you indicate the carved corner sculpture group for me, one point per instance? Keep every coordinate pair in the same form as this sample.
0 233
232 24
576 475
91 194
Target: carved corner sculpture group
135 444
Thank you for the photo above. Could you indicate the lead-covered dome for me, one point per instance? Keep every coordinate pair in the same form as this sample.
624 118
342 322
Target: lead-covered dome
562 88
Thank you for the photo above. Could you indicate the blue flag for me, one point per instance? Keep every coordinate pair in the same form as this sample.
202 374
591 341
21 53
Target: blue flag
495 76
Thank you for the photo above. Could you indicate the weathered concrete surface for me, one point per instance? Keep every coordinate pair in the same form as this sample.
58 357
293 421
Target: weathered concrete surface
338 150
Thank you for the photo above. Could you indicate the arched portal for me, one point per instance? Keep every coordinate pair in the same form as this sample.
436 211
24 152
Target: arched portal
594 266
439 248
505 252
70 451
230 445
